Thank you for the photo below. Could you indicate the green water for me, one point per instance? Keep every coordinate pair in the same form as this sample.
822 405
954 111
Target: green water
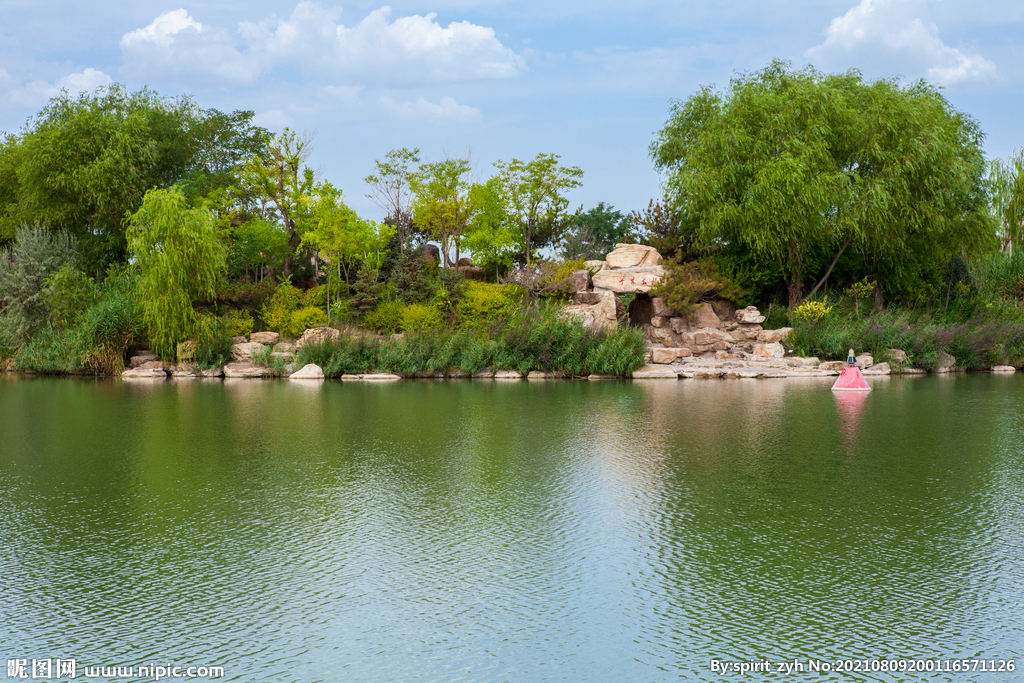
491 531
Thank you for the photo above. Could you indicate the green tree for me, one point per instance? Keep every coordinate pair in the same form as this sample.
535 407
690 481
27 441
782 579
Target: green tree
444 206
391 189
85 162
491 236
535 191
179 258
1006 183
285 183
799 166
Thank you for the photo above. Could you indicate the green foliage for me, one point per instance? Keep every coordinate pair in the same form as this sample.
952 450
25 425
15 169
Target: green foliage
535 196
239 323
594 233
444 205
686 285
527 340
366 293
1006 189
67 294
179 259
484 304
547 279
412 277
799 166
420 318
391 188
670 228
254 246
491 235
450 287
306 318
277 311
35 255
85 162
1001 276
812 311
387 318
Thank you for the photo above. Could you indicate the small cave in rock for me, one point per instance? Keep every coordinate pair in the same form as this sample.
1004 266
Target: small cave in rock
641 310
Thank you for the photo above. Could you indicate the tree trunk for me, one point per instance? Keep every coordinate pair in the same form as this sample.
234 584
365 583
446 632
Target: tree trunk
829 271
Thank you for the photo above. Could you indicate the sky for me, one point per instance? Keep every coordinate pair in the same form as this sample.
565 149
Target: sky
591 81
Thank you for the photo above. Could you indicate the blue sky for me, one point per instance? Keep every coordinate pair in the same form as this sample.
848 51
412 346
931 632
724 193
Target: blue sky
591 81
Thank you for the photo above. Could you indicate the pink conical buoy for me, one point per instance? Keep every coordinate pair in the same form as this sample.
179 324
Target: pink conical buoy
851 379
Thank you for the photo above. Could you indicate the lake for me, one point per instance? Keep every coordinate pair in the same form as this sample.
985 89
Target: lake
513 531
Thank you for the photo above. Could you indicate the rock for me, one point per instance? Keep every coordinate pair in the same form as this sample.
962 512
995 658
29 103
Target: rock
597 377
239 340
658 321
637 280
770 336
749 332
484 374
286 356
679 325
380 377
284 347
316 335
508 374
1003 368
724 310
456 373
472 272
185 371
600 315
594 265
665 356
465 261
631 256
310 371
945 363
831 365
662 309
911 371
865 361
897 357
264 337
706 317
431 252
537 374
143 357
880 369
245 350
215 372
349 378
773 350
245 371
587 298
655 372
809 362
725 355
149 370
749 315
579 280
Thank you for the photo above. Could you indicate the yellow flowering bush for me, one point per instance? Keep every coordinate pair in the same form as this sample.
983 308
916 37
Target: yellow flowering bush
812 311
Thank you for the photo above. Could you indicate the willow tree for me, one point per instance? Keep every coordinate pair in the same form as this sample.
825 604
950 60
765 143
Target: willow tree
179 257
1006 182
800 166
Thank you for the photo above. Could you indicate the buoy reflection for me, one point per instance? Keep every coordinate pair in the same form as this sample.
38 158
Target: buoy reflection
850 405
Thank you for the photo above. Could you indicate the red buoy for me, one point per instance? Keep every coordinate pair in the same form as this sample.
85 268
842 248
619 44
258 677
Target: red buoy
851 379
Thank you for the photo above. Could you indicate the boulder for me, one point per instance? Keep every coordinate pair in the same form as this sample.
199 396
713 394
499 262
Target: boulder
769 336
245 350
215 372
602 314
594 265
832 365
636 280
486 373
538 374
597 377
284 347
240 339
246 371
631 256
310 371
679 325
264 337
587 298
749 316
149 370
749 333
880 369
1003 368
773 350
381 377
658 321
508 374
185 371
430 251
472 272
316 335
465 261
143 357
655 372
945 363
662 309
579 280
665 356
865 361
706 317
724 310
897 357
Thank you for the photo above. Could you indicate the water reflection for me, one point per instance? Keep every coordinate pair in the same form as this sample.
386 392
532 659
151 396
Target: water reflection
488 531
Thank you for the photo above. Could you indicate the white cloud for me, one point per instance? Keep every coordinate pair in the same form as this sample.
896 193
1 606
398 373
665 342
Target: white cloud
376 51
447 109
893 33
35 94
275 119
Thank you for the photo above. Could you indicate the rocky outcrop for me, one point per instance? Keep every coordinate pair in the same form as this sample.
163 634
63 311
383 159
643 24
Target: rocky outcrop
597 310
143 357
1004 369
316 335
149 370
246 371
629 269
245 350
749 316
579 281
631 256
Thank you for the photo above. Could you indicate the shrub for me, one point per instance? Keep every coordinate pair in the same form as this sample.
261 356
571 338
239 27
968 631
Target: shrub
316 297
239 323
305 318
277 311
552 279
483 304
68 293
688 284
387 318
420 318
812 311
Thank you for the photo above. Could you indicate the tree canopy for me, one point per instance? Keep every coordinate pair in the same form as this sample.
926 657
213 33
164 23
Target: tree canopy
803 167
